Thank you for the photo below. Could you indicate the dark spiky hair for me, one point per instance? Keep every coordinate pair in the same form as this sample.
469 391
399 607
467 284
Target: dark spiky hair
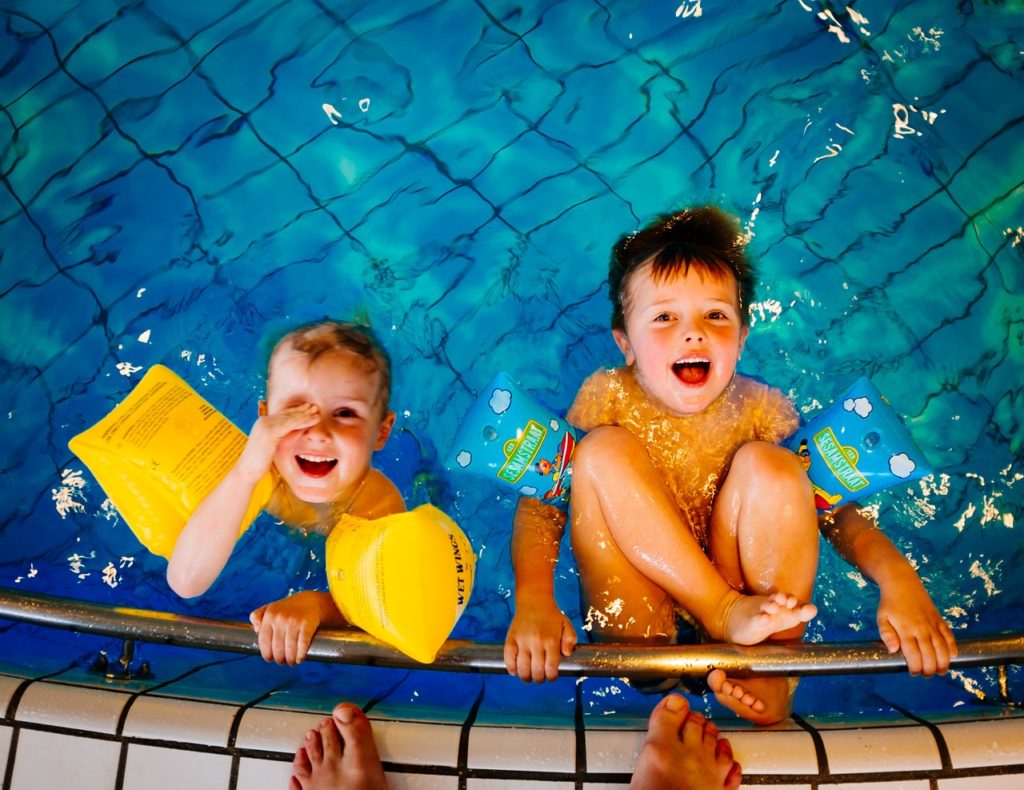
704 237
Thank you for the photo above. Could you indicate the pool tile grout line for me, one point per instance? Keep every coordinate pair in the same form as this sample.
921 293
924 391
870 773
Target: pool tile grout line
11 716
236 723
940 740
581 737
819 748
384 695
462 759
12 752
16 697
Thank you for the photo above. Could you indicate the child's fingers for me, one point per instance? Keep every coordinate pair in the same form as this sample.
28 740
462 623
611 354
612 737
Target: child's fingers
929 656
950 640
302 643
295 418
524 666
552 657
290 646
912 654
256 617
568 639
510 656
536 665
889 637
942 653
266 642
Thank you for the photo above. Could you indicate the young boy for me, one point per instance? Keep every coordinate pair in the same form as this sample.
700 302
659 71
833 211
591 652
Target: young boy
683 505
326 412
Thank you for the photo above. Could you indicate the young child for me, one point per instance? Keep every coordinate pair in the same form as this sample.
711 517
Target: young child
326 412
683 506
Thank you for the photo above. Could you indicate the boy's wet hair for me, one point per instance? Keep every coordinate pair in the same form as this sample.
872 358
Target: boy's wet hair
325 336
704 237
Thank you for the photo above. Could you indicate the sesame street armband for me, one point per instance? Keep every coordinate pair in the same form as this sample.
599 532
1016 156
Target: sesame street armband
404 578
856 447
158 454
508 437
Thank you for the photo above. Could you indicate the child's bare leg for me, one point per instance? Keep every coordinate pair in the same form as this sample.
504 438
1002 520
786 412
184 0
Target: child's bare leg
682 750
339 753
636 555
764 537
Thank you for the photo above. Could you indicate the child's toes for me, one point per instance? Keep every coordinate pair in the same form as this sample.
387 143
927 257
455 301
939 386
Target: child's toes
301 766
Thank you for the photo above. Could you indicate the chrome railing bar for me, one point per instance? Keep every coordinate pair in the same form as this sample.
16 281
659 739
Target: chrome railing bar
356 647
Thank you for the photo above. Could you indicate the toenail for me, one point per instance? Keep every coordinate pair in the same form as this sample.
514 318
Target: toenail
345 714
674 703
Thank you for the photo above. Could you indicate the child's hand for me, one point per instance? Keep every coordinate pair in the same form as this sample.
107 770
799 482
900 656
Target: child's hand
908 621
267 433
539 635
286 627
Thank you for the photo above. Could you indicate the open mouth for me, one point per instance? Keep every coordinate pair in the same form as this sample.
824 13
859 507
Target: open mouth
692 371
315 466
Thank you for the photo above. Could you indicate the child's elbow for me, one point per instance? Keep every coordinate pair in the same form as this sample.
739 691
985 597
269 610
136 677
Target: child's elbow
184 585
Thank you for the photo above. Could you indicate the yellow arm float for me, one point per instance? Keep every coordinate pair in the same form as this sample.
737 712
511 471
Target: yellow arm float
404 579
159 453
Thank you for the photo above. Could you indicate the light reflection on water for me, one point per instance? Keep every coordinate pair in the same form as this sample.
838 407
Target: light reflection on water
180 182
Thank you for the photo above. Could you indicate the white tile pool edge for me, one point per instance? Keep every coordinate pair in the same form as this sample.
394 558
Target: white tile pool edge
58 734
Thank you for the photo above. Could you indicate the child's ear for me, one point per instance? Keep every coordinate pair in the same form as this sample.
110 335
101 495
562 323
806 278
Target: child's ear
385 430
743 338
622 341
262 410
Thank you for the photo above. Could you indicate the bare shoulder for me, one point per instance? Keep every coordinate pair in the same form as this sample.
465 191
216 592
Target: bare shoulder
594 399
772 413
379 497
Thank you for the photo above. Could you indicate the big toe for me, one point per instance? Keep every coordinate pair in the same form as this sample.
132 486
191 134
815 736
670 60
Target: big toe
716 679
360 759
667 718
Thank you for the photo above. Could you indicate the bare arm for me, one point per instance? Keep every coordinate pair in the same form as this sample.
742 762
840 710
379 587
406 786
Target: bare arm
539 633
907 618
209 536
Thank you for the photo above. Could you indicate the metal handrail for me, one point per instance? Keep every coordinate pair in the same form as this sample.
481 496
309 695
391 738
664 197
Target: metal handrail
605 660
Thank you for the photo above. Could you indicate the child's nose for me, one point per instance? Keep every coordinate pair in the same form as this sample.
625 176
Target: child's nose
318 429
692 333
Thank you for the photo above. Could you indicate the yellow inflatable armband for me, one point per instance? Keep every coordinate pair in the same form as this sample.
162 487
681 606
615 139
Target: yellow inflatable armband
404 579
159 453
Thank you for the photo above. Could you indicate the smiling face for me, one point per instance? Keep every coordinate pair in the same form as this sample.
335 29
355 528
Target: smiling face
328 461
684 334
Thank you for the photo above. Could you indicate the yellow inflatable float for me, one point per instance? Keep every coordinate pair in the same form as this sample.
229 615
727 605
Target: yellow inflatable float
159 453
404 579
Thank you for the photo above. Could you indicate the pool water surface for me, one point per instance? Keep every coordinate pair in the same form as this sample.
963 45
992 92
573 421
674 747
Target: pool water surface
182 181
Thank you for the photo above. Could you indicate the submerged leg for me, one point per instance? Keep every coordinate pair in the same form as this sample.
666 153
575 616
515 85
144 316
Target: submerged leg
764 538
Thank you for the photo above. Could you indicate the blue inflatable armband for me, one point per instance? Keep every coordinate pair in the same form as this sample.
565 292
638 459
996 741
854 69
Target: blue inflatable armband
856 447
507 436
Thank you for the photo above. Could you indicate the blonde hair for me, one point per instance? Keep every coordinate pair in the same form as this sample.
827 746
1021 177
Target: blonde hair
323 337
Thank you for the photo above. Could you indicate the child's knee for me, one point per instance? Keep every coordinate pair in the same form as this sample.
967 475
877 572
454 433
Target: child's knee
602 448
771 465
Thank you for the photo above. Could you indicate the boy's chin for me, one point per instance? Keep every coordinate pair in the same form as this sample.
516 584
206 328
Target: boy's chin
315 494
316 498
691 401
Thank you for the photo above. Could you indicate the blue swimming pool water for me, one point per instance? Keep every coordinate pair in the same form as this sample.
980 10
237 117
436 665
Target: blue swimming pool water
181 180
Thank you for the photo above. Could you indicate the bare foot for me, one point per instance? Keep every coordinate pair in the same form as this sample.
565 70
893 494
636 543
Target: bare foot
339 755
682 751
761 700
750 619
